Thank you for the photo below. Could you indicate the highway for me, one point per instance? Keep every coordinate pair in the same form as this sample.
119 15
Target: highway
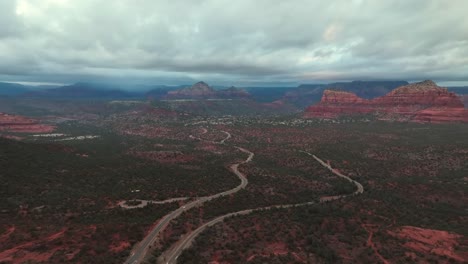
139 252
170 256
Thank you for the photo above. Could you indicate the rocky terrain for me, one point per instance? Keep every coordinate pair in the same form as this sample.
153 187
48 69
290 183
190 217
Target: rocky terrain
202 99
15 123
412 211
201 90
423 101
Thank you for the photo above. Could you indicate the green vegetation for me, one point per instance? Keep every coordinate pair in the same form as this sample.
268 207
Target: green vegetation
62 195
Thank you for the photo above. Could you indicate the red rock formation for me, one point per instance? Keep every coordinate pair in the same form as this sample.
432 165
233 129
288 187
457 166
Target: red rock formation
423 101
15 123
442 115
336 103
422 94
201 90
430 241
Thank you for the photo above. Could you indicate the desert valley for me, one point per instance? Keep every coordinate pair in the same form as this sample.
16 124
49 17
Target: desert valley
204 175
233 132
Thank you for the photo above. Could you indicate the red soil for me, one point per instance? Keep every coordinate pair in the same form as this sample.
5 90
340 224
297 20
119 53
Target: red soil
7 234
14 123
25 252
215 149
277 248
119 246
371 244
164 156
429 241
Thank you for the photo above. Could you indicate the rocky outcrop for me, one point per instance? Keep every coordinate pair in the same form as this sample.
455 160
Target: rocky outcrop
337 103
423 101
198 90
307 94
15 123
423 94
201 90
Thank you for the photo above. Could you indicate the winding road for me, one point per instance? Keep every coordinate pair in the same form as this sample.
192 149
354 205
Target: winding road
170 256
359 187
139 252
144 203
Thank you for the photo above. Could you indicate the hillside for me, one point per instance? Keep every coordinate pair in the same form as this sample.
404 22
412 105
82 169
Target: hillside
82 91
202 90
12 89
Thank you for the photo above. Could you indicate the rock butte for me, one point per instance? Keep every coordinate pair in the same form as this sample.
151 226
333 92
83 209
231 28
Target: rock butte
203 90
419 102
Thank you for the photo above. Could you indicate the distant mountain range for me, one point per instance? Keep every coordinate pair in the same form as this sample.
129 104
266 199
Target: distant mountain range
202 90
300 97
12 89
80 91
462 90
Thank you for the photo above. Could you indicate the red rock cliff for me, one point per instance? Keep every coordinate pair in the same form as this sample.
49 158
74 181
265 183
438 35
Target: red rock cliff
336 103
423 101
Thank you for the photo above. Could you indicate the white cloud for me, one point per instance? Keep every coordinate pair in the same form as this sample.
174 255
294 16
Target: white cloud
298 41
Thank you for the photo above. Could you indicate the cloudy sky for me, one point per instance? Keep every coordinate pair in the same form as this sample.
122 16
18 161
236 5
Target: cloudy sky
242 42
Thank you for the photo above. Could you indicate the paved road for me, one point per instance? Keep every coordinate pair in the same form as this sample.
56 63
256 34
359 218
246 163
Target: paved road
359 187
170 256
228 136
139 252
144 203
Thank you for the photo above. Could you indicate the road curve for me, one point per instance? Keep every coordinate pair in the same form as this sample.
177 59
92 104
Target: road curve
144 203
170 256
228 136
359 187
138 254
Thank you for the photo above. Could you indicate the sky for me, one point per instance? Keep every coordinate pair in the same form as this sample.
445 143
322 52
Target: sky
242 42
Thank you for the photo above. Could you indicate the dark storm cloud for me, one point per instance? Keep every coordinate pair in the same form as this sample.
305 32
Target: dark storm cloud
229 41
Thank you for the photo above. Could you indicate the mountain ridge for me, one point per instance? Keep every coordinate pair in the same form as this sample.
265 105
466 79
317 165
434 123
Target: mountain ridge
202 90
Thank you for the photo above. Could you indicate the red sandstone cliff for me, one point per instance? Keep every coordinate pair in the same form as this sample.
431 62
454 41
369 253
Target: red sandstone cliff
423 101
336 103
